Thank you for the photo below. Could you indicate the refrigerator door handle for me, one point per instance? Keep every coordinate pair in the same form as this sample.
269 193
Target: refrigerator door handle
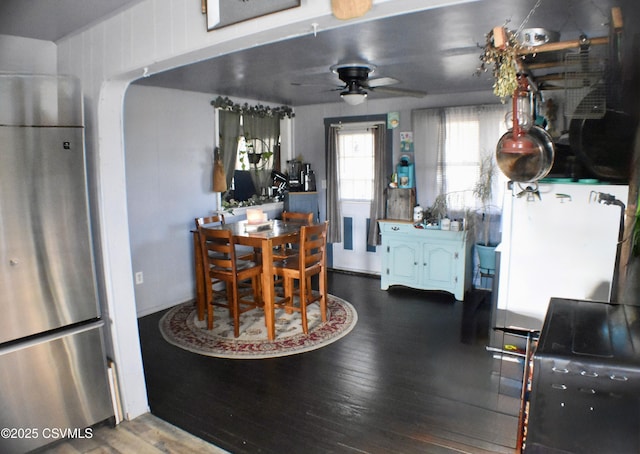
21 344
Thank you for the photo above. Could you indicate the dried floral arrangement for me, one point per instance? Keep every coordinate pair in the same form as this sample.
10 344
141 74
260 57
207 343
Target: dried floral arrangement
501 51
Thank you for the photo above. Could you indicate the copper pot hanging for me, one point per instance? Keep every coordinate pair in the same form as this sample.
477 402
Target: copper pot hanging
525 152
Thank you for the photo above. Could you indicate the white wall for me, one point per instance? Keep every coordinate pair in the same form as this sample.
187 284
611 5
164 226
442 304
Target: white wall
168 155
169 137
26 55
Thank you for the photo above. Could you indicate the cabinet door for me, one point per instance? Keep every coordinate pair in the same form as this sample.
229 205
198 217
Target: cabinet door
438 266
403 259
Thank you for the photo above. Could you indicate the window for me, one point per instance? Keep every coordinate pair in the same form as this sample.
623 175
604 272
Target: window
246 151
455 140
356 164
241 160
255 151
459 164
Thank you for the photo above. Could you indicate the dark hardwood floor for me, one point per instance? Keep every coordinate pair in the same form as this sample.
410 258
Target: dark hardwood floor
412 377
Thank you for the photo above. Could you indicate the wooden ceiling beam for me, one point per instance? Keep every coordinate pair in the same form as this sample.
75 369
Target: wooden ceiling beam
564 45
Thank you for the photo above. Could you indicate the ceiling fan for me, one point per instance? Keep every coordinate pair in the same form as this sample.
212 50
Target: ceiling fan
357 83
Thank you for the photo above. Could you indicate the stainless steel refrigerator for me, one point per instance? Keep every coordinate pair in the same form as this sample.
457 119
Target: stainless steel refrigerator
53 375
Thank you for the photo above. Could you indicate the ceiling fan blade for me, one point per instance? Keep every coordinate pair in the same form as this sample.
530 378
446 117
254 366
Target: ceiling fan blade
324 87
381 81
400 91
309 84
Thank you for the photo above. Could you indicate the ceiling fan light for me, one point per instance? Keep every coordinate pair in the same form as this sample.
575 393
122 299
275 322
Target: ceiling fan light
353 99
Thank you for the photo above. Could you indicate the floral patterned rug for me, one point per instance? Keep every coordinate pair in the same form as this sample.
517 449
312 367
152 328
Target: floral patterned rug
180 326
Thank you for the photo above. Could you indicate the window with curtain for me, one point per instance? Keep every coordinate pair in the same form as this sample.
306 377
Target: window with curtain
250 146
450 144
244 130
356 164
355 174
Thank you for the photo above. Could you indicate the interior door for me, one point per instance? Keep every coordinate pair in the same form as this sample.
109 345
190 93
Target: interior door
353 253
357 166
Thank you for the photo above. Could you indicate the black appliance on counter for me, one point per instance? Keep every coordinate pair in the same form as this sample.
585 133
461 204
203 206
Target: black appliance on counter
308 179
301 177
279 185
295 175
585 391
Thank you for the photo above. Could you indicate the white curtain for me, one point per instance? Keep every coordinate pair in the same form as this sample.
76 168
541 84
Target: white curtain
428 140
449 144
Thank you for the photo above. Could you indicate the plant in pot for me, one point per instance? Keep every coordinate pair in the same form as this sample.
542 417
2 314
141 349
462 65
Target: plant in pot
258 155
434 214
483 191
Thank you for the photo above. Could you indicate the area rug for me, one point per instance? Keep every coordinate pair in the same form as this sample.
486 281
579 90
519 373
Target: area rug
180 326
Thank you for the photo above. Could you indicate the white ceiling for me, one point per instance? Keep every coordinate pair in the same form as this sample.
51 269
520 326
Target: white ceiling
434 51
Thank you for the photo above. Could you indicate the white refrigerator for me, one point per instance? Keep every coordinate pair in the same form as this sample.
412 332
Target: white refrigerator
559 242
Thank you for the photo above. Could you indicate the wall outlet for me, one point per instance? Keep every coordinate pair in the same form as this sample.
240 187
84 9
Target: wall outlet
139 278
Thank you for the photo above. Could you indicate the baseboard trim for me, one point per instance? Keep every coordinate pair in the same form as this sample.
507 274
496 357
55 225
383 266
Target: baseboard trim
355 273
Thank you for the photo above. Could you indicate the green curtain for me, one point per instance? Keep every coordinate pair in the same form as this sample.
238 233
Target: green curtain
229 124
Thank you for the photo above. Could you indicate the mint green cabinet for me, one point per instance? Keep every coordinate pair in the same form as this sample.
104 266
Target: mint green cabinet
425 259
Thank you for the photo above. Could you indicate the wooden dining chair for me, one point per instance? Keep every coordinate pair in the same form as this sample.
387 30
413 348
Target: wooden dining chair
216 219
242 253
310 261
199 265
218 251
287 250
293 216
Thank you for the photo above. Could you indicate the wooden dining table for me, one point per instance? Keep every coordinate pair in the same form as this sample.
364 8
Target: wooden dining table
279 233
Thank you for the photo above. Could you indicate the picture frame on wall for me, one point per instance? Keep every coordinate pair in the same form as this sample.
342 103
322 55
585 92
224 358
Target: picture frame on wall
221 13
406 142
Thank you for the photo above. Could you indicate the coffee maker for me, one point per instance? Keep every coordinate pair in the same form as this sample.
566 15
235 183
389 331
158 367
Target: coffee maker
308 179
295 175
